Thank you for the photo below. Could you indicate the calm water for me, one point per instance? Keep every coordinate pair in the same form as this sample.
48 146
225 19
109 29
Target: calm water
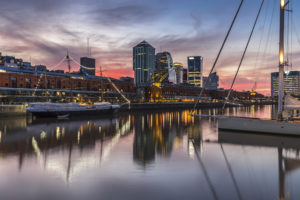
144 155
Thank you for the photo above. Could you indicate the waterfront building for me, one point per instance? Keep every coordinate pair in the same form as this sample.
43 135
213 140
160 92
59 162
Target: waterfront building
195 64
40 68
213 83
127 79
291 83
143 63
11 61
179 72
26 65
87 65
163 65
184 76
29 84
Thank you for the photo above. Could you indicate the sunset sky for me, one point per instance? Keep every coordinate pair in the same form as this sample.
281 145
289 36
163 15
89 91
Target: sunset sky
43 30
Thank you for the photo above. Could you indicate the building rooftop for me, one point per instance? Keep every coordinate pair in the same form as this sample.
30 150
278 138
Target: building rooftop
50 73
143 44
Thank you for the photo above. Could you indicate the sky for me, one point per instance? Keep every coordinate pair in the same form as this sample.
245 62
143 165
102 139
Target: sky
43 31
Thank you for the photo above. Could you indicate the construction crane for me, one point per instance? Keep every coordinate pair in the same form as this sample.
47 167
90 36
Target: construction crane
253 91
156 88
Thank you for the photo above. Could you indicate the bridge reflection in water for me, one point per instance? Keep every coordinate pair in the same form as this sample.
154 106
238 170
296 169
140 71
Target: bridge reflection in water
172 150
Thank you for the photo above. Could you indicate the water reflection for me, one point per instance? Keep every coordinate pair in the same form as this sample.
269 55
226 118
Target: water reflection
155 133
148 154
288 149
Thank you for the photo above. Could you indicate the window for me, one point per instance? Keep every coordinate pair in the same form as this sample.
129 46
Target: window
28 82
58 83
14 82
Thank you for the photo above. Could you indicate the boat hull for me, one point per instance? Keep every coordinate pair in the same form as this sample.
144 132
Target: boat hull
259 126
73 114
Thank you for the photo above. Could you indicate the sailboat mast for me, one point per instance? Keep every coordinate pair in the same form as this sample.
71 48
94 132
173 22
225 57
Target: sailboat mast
281 60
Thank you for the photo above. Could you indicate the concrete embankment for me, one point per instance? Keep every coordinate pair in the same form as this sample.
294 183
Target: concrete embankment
160 106
20 110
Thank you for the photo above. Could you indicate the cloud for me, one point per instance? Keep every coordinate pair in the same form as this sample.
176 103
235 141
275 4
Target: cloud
125 15
44 30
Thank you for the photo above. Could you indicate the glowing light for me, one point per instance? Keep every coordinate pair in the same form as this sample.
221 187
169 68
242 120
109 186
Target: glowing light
78 137
281 58
57 133
282 3
43 135
36 147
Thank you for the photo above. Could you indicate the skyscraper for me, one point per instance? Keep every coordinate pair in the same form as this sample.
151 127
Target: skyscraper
213 83
184 76
291 83
179 72
163 65
143 63
87 65
195 64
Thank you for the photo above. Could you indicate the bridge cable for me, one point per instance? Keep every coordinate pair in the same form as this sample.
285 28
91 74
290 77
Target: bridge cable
39 80
243 56
220 51
258 54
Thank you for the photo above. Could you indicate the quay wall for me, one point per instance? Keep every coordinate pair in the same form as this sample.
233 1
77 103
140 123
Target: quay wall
19 110
161 106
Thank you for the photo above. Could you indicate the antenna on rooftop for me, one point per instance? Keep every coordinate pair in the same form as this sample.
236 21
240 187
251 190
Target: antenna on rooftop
88 47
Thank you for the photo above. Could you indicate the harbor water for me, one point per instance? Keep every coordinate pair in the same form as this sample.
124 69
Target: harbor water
146 155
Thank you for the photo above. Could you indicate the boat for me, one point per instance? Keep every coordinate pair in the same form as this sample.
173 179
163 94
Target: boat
66 110
63 116
283 125
48 109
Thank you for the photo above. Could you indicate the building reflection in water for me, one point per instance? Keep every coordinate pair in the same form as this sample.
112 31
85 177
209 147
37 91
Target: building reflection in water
24 138
70 148
156 134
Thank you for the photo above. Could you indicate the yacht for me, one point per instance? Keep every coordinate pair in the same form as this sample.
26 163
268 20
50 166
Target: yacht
285 124
48 109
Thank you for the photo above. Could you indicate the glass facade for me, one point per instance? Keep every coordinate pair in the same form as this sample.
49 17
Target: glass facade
213 83
163 65
195 64
87 65
143 63
179 72
185 75
291 83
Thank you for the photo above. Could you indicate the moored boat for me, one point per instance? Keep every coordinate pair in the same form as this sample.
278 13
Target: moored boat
244 124
282 125
47 109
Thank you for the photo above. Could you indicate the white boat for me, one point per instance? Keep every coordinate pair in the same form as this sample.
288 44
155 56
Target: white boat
63 116
243 124
282 125
47 109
